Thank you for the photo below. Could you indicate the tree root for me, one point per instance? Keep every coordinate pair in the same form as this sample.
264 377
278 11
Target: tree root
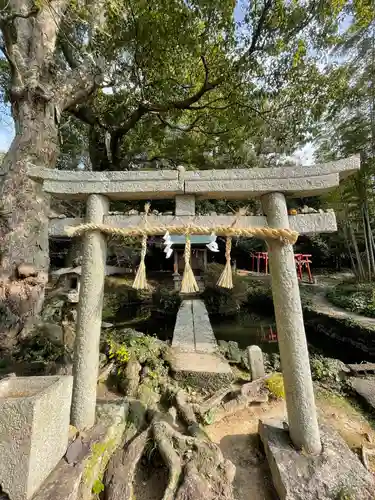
241 398
121 469
196 465
170 457
131 382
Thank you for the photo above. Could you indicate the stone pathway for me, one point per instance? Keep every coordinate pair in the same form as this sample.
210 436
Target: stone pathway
321 304
194 347
193 331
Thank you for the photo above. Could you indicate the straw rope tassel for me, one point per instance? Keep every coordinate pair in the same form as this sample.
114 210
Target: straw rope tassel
189 284
226 278
140 281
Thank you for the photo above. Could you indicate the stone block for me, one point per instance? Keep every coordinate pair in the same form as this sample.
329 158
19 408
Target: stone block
204 337
185 205
74 481
243 188
201 369
335 473
256 362
115 185
34 429
183 334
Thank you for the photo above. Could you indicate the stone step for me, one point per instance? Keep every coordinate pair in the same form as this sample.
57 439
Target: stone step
202 369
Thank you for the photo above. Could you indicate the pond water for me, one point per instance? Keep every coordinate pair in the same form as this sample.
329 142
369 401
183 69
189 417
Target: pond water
246 328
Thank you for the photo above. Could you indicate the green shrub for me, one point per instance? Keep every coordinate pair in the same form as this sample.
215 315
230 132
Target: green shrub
355 297
322 370
259 296
148 351
219 300
166 300
40 349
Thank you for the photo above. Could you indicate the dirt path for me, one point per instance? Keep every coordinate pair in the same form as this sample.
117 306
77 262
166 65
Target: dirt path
348 418
237 436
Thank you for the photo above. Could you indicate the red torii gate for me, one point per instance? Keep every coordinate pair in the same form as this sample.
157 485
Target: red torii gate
302 262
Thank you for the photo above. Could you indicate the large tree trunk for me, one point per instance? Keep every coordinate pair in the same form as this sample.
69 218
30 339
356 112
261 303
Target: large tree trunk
24 217
43 85
24 207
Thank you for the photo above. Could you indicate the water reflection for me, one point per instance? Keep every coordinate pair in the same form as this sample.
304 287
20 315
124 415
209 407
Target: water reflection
246 328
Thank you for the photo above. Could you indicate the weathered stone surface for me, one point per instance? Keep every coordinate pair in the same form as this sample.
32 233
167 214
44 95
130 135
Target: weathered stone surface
115 185
256 362
52 332
204 337
185 205
233 183
62 484
200 369
26 270
75 482
344 167
193 331
336 472
89 318
303 224
199 362
34 427
293 181
183 334
243 188
233 352
365 388
294 354
76 451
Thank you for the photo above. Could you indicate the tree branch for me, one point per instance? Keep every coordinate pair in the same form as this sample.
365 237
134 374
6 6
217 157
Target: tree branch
80 84
258 30
189 101
177 127
86 115
119 133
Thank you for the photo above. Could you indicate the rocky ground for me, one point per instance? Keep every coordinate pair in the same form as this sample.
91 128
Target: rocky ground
181 441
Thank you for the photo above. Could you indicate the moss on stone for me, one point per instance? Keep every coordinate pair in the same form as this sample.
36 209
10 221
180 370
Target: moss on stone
96 463
275 384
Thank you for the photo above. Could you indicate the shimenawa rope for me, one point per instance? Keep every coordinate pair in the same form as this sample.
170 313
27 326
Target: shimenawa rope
283 235
189 284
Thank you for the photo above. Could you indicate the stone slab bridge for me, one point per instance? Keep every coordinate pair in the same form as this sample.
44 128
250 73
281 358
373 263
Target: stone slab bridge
194 346
272 186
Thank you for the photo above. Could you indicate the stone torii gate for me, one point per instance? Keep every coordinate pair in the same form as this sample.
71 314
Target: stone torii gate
272 186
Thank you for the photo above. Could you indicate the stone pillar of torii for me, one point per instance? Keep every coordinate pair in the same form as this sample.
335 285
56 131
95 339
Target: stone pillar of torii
271 185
